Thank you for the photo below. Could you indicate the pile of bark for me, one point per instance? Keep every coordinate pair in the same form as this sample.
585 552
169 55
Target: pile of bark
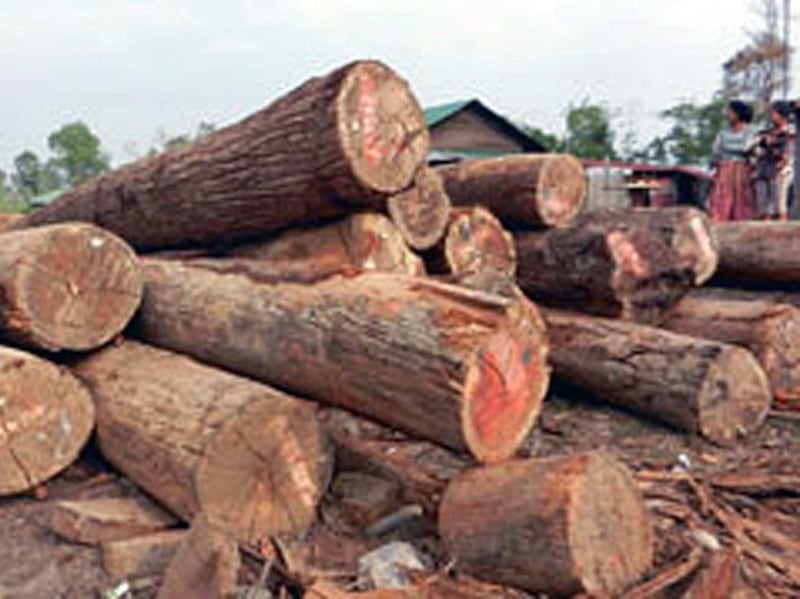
327 341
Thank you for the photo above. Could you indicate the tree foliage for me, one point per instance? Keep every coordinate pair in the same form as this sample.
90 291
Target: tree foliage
32 177
589 133
690 138
78 155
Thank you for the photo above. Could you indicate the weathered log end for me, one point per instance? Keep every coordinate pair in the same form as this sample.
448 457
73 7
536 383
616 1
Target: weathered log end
381 129
47 416
477 242
559 525
505 385
697 243
561 190
265 472
72 286
421 212
734 398
375 243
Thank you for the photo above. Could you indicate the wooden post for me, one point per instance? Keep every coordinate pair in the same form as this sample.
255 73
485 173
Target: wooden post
558 525
705 387
46 416
197 438
66 287
478 361
421 211
524 190
354 135
759 251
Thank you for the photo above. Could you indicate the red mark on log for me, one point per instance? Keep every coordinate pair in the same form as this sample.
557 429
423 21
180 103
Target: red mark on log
625 254
368 119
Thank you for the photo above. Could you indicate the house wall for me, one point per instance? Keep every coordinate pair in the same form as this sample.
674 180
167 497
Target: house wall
466 130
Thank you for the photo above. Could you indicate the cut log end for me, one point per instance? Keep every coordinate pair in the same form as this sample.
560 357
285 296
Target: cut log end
374 243
263 473
735 396
381 127
79 287
610 533
476 242
503 391
561 190
421 212
46 416
706 254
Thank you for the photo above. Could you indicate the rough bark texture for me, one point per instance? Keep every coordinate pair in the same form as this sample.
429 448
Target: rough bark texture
46 416
66 287
526 190
700 386
142 556
421 211
770 331
792 298
603 267
478 361
560 525
197 438
354 134
358 242
759 252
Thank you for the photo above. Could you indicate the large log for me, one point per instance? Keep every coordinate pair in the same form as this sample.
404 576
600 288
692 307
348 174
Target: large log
758 251
421 211
7 220
560 525
700 386
66 287
478 361
354 134
526 190
604 267
359 242
196 438
770 331
47 416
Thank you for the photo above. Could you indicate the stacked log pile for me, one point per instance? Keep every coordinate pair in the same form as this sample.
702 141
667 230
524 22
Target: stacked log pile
317 343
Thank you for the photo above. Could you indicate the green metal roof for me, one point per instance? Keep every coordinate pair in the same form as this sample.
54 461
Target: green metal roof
436 114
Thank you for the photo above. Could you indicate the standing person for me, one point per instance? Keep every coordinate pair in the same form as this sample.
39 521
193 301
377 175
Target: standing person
732 195
774 160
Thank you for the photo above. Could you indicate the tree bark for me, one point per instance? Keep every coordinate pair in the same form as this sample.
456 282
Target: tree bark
560 525
357 243
421 211
759 252
527 190
479 361
705 387
770 331
197 438
355 135
46 416
66 287
603 267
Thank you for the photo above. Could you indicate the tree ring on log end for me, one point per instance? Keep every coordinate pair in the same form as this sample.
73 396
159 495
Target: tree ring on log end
421 212
46 416
381 127
506 380
264 472
561 190
79 286
734 398
476 241
610 535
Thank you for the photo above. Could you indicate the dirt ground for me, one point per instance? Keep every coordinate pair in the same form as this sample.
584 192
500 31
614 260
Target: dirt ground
727 518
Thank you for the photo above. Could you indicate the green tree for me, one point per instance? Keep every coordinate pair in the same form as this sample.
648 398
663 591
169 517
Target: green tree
32 177
690 138
78 155
589 132
550 141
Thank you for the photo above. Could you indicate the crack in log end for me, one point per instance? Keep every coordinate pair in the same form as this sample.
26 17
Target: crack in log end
502 397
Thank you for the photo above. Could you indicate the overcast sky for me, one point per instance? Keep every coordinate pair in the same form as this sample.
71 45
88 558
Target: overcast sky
133 69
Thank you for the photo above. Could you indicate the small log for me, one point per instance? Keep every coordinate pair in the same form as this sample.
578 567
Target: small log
361 499
479 361
354 135
143 556
770 331
700 386
359 242
206 564
603 267
758 251
66 287
7 220
197 438
94 521
421 211
47 417
523 191
560 525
